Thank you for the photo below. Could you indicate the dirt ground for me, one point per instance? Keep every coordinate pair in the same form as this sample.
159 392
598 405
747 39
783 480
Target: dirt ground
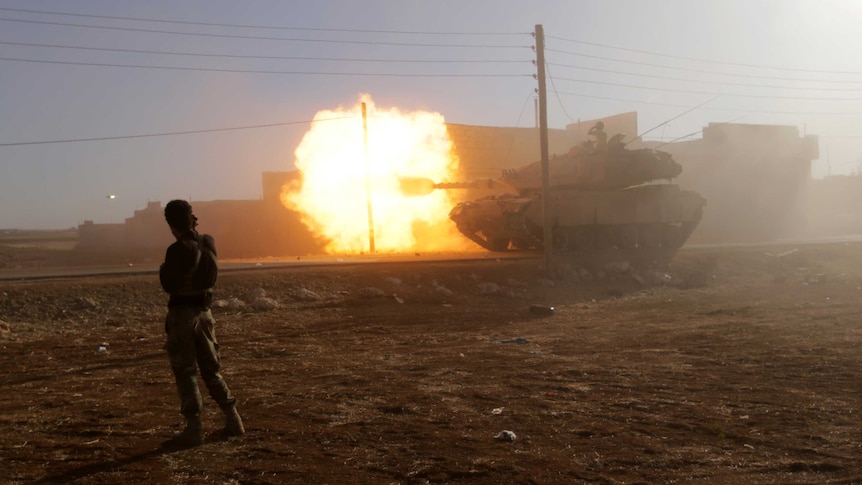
728 366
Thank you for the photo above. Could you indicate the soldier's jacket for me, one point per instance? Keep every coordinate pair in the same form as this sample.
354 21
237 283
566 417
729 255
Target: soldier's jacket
175 274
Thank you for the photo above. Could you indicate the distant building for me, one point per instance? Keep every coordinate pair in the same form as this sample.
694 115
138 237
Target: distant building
834 208
756 180
98 236
242 228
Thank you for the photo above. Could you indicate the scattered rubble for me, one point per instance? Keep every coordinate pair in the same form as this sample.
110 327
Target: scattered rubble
304 294
371 292
255 294
489 288
264 304
84 304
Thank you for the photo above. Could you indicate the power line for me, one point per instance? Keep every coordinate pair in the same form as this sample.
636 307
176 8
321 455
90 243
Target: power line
702 71
105 49
299 58
393 61
683 137
738 64
608 98
269 27
610 71
707 92
171 133
674 118
263 37
671 105
532 95
554 86
251 71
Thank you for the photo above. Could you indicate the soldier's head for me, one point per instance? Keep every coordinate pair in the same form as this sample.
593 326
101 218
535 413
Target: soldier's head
178 214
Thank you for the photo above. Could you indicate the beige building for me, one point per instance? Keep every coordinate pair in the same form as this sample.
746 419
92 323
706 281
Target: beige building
242 228
756 180
834 209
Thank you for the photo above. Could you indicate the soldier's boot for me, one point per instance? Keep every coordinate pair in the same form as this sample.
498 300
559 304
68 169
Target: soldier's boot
233 423
192 435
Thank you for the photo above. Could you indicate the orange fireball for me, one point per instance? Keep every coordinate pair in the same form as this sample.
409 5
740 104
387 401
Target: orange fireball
337 166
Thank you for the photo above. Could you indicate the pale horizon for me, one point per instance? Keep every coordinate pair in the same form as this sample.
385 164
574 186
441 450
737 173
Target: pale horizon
197 101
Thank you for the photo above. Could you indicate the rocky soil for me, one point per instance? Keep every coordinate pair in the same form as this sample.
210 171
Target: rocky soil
728 366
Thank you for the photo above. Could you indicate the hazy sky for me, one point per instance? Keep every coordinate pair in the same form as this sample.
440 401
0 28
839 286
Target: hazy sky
197 65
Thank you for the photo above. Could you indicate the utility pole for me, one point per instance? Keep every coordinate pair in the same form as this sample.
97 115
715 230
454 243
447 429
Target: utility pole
368 180
543 142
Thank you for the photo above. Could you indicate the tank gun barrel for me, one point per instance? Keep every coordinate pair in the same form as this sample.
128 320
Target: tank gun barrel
419 186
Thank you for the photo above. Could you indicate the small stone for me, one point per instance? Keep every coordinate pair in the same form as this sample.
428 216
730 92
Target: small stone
371 292
235 304
254 294
488 288
618 267
265 304
545 283
304 294
85 303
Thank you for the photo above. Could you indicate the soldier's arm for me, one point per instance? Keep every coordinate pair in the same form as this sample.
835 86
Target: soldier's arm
209 242
177 264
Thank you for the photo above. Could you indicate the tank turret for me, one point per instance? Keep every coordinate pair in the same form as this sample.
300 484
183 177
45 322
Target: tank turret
617 169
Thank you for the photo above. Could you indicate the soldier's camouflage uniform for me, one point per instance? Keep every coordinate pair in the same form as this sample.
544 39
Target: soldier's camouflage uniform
191 341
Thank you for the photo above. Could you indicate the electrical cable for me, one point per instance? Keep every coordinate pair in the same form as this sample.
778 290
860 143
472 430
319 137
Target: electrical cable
739 64
701 71
674 118
252 71
517 124
557 92
262 37
172 133
246 26
554 86
300 58
799 98
610 71
811 113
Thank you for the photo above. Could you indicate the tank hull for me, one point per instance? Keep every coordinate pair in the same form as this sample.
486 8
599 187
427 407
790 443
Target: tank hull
647 220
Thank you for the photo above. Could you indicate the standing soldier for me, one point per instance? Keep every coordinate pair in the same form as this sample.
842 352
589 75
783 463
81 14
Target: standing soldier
188 275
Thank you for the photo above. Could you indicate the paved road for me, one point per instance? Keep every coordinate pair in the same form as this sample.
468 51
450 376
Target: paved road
241 265
244 265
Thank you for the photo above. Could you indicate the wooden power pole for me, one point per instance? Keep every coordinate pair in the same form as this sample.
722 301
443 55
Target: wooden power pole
543 142
368 180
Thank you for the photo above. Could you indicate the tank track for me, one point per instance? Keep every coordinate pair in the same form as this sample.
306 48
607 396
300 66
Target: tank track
656 243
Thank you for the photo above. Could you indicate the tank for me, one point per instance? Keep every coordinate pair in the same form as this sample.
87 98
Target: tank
617 201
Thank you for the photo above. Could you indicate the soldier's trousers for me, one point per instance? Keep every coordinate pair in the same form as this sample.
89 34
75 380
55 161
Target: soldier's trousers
191 344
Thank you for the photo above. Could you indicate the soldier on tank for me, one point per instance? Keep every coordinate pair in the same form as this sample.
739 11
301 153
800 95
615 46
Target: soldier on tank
188 275
598 131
